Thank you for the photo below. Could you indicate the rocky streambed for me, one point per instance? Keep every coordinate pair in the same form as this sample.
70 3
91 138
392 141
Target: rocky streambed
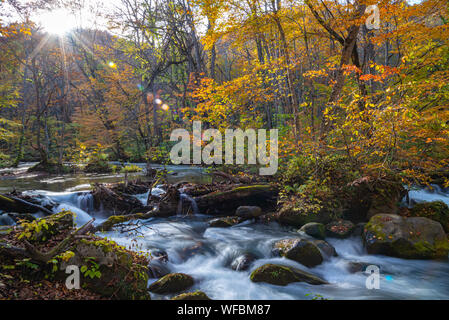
228 242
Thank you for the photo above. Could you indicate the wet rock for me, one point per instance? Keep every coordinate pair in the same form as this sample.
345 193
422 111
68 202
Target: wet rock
437 211
326 248
248 212
358 230
198 295
157 269
408 238
340 229
356 267
314 229
243 262
300 250
6 220
172 283
192 250
224 222
297 216
282 275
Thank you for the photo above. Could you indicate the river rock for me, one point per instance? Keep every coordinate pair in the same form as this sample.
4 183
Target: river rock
408 238
282 275
198 295
172 283
340 229
356 267
300 250
243 262
248 212
436 210
314 229
224 222
325 248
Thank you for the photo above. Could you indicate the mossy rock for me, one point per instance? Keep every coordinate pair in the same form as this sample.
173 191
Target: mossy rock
436 210
314 229
282 275
172 283
197 295
122 273
341 229
300 250
224 222
408 238
297 216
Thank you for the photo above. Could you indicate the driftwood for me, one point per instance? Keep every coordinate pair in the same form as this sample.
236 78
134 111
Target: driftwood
17 205
31 252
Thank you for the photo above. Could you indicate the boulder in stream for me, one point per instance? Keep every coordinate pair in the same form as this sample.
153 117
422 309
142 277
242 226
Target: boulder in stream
246 212
341 229
197 295
224 222
314 229
300 250
243 262
408 238
437 210
282 275
172 283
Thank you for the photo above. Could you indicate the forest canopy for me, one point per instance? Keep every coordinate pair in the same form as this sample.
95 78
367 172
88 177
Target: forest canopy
338 91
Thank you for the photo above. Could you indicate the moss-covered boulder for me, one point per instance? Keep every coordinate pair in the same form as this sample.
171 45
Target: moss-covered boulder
408 238
224 222
299 250
314 229
299 213
282 275
437 210
109 269
197 295
341 229
246 212
172 283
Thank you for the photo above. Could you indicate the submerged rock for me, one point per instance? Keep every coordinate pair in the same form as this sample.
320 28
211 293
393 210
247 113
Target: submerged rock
340 229
172 283
243 262
437 211
314 229
356 267
300 250
198 295
408 238
282 275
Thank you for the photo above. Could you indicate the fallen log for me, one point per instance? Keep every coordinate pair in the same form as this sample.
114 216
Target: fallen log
115 202
33 253
17 205
226 202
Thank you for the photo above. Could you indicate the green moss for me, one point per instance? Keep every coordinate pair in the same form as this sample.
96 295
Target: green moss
197 295
172 283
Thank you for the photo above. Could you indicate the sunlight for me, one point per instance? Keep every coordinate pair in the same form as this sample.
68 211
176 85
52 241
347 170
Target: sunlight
58 22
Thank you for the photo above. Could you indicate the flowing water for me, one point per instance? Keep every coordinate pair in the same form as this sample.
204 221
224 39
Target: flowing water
206 253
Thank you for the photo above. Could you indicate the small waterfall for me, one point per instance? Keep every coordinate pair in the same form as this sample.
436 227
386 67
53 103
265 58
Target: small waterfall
85 201
186 198
434 193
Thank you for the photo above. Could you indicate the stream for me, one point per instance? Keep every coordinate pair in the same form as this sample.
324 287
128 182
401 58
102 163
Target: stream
206 253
